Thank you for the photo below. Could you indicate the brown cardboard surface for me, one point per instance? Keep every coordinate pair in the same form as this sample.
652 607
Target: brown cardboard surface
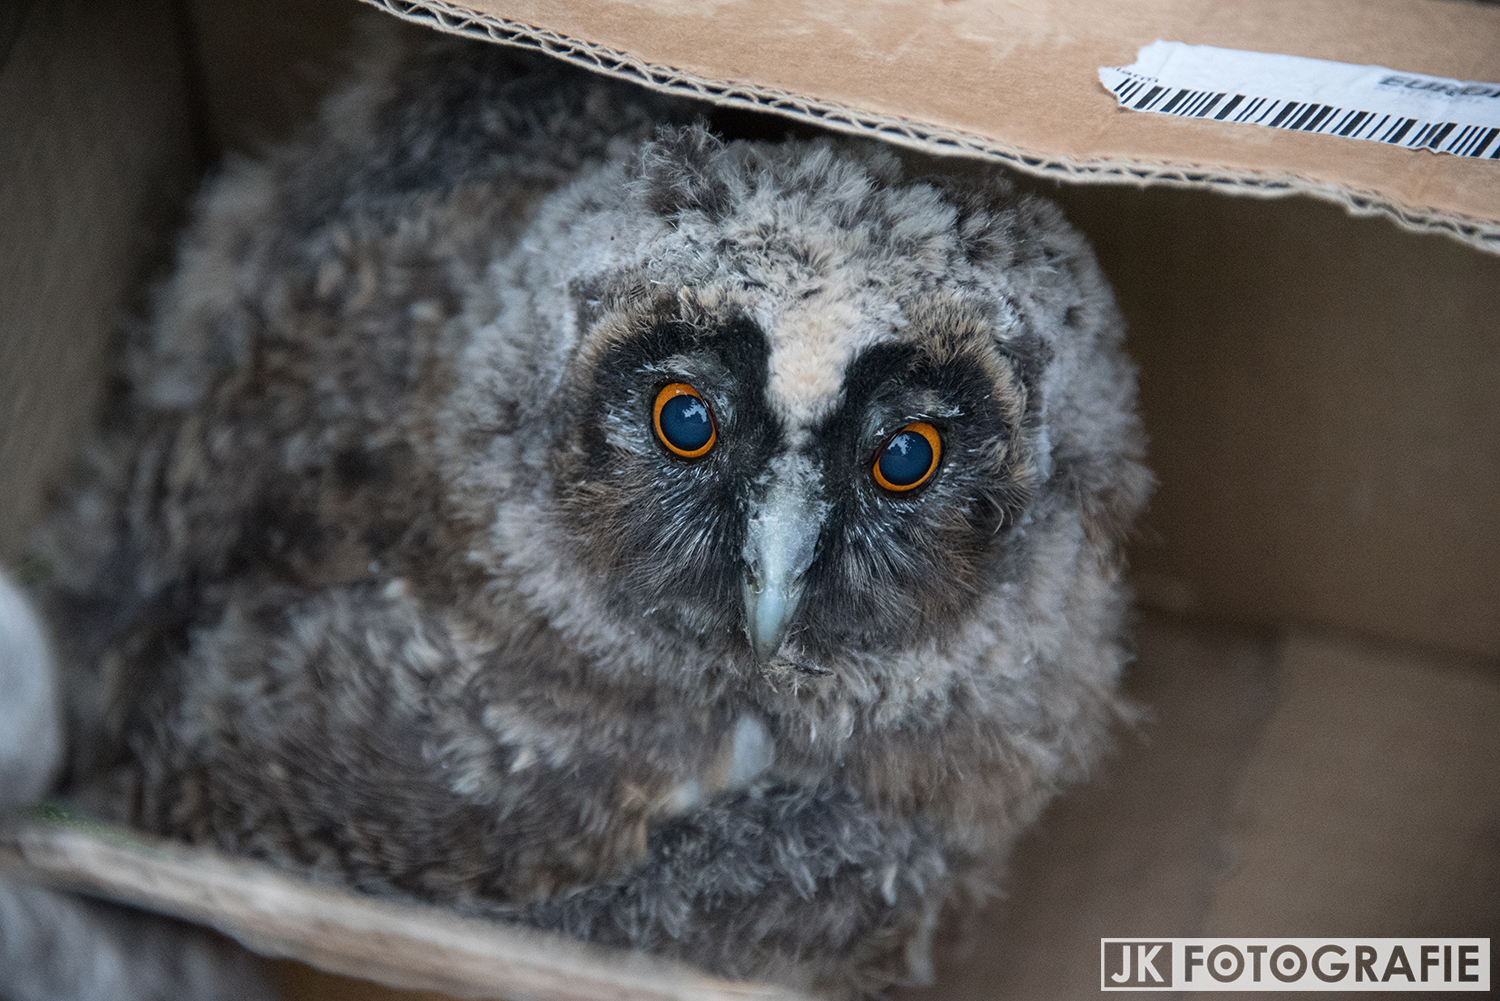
1322 397
300 982
95 156
1016 79
1371 806
1316 786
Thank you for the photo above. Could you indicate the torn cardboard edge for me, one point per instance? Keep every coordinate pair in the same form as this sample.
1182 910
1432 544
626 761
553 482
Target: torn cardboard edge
406 946
930 138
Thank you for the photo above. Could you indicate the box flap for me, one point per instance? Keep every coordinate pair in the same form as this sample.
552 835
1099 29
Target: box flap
1016 80
402 945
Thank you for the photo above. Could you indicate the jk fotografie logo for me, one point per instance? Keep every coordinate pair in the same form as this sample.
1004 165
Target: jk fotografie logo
1294 964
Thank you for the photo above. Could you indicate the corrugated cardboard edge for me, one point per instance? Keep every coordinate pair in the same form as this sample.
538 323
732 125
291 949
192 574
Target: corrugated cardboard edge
930 138
405 946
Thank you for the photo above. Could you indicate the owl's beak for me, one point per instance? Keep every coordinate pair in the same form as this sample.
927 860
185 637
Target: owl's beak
779 547
768 611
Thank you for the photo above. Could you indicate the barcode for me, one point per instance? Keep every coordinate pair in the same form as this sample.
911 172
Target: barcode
1145 94
1375 103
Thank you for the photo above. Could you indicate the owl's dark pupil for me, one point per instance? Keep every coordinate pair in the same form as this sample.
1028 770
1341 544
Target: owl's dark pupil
685 423
906 459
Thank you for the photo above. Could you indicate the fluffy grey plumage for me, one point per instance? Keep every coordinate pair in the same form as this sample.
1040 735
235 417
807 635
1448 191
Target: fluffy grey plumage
386 574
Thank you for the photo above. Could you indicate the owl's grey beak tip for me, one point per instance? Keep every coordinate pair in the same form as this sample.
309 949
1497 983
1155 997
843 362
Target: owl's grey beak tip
768 612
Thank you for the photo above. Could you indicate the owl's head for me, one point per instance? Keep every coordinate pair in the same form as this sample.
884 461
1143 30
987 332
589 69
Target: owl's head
740 408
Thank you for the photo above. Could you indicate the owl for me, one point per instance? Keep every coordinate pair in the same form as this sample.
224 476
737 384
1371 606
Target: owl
527 500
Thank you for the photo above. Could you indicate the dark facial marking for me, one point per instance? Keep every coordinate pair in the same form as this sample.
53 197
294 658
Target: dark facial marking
894 567
662 532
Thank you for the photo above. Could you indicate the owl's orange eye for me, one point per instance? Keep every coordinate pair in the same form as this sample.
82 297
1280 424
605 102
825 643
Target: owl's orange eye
683 421
909 458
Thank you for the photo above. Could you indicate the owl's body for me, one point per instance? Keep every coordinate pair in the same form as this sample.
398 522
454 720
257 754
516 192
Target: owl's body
389 572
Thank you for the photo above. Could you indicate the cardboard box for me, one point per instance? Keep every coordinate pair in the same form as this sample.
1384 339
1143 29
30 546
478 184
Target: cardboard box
1320 564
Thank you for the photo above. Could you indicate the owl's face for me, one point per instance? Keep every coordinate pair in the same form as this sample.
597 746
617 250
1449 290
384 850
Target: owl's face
792 406
726 486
